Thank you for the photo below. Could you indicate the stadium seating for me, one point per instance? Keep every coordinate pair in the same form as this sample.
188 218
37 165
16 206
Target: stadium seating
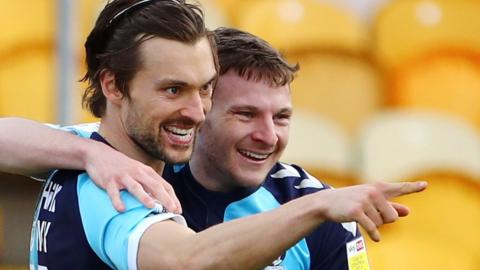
397 143
442 230
432 54
27 63
327 56
430 51
321 88
27 52
231 10
27 83
13 267
446 81
321 147
304 25
17 201
405 29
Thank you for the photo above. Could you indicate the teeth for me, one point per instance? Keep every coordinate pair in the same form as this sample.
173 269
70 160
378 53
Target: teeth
254 155
179 131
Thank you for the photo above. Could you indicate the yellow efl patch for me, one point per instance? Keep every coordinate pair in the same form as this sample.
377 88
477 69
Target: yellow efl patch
357 255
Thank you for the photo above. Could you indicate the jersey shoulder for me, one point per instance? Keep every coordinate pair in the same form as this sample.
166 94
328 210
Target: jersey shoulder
82 130
290 181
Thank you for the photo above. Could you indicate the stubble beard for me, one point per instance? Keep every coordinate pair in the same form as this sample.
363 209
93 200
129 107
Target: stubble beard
150 141
155 147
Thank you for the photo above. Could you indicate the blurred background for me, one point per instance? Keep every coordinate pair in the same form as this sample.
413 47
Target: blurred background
388 91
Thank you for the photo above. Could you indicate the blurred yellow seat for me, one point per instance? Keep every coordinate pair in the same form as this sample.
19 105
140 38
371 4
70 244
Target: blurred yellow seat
446 81
232 10
26 22
431 50
442 230
337 80
321 147
26 59
404 29
299 25
27 62
215 14
27 86
342 87
14 267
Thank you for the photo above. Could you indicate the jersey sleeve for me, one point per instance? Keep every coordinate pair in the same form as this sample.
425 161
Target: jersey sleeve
328 243
115 236
81 130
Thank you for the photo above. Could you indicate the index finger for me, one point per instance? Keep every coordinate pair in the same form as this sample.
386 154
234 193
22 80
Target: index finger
391 190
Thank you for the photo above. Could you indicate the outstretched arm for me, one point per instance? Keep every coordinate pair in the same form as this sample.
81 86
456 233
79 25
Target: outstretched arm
31 148
25 146
254 242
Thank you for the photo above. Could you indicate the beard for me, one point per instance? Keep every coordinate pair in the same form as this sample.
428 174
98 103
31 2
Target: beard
147 136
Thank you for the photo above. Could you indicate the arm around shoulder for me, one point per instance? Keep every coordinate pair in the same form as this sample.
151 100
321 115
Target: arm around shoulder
26 144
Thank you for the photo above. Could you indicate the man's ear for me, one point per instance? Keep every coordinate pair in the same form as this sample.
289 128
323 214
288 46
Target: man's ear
109 87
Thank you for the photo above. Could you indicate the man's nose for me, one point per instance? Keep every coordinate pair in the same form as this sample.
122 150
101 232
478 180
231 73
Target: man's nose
265 132
194 108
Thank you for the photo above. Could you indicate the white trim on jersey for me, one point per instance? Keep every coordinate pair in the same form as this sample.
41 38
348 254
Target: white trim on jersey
289 171
134 238
351 227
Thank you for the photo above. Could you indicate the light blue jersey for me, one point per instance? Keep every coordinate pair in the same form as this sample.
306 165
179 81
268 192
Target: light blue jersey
76 226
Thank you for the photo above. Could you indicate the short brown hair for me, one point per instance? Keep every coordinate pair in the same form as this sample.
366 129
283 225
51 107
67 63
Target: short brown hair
119 30
252 57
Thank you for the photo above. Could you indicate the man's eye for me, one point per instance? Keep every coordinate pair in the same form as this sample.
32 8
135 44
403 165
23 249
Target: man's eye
284 116
207 89
172 90
245 114
283 119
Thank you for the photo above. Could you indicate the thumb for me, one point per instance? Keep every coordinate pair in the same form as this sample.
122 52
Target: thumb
401 209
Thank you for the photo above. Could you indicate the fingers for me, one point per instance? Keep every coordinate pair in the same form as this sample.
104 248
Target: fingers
171 193
379 211
374 215
401 209
113 192
392 190
369 204
387 212
160 193
161 190
369 227
137 190
146 190
115 171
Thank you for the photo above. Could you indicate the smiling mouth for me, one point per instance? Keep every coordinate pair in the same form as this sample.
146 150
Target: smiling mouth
180 135
254 155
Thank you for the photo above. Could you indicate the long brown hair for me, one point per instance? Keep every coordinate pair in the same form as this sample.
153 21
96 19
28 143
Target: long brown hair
121 27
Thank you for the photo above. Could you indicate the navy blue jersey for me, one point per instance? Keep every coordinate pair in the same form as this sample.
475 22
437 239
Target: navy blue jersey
76 226
325 248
